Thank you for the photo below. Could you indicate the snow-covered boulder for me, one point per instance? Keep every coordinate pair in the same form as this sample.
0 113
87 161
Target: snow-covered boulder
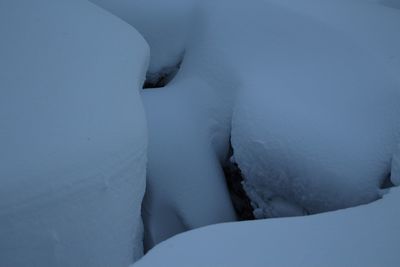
365 236
72 135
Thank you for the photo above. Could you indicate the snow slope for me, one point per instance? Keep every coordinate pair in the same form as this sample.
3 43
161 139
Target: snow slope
72 135
363 236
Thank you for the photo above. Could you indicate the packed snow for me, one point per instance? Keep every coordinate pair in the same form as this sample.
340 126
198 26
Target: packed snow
72 135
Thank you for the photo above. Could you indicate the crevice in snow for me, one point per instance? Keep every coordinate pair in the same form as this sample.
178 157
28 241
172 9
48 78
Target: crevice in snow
234 181
387 182
162 77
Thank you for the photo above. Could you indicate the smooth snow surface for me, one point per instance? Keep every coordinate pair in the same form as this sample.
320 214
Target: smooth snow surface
361 237
72 135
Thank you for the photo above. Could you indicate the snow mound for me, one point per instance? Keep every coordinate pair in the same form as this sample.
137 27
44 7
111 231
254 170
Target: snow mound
316 127
363 236
73 135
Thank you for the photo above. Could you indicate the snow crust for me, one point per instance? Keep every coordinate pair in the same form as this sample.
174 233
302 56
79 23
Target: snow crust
72 135
363 236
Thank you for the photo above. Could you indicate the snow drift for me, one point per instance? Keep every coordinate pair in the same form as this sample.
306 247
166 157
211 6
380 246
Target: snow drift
317 133
363 236
314 93
188 122
72 135
307 92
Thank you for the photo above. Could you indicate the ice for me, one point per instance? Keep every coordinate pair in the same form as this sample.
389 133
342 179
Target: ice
72 135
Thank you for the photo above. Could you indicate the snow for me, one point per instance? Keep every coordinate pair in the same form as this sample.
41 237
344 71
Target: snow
164 24
363 236
395 172
72 135
315 128
185 186
306 92
185 182
391 3
314 93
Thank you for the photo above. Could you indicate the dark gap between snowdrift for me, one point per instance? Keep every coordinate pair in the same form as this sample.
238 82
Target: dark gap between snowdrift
239 198
163 77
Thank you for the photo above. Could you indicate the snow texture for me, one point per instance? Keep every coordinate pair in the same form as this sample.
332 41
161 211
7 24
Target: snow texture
72 135
366 236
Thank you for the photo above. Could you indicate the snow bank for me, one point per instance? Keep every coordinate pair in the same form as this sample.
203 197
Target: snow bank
362 236
73 135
